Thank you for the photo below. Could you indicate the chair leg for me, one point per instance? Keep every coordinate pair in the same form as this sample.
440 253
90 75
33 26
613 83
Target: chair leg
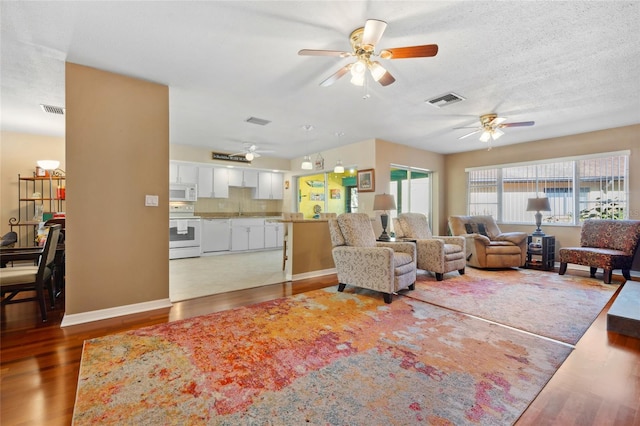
626 273
461 271
607 276
341 287
439 276
592 271
563 268
41 301
284 254
387 297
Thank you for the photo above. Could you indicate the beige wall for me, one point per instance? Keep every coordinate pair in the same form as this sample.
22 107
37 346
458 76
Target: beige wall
117 151
19 153
622 138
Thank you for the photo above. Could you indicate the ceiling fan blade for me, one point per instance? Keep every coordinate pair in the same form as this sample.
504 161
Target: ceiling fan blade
312 52
335 76
373 30
470 134
423 51
386 79
519 124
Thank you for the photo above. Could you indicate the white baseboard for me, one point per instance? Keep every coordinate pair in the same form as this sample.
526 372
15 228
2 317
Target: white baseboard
313 274
102 314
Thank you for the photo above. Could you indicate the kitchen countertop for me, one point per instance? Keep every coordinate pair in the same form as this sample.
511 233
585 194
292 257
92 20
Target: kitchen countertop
247 215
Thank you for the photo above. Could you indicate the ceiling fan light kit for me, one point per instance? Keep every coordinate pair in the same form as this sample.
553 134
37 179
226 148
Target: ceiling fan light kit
339 168
490 127
363 42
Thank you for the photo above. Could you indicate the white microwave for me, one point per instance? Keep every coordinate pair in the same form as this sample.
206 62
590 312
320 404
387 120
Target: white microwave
183 192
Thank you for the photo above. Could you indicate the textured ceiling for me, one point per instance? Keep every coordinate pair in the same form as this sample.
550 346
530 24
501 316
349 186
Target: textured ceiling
571 67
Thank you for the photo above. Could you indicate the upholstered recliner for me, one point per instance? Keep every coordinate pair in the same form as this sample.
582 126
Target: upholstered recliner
604 243
435 254
361 261
487 246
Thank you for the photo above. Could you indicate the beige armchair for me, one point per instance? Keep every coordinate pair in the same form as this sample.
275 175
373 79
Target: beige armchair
361 261
487 246
435 254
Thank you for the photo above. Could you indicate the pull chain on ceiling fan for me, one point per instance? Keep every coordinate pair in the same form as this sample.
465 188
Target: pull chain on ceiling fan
363 42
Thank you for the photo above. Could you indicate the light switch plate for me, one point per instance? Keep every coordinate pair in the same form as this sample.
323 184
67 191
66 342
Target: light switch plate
151 200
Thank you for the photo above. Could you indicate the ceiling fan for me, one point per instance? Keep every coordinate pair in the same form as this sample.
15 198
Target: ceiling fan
363 43
490 125
249 152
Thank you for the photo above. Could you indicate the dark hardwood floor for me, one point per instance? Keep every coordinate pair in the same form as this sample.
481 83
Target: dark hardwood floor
599 384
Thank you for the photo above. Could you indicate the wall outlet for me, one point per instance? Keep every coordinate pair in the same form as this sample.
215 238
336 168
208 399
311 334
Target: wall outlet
151 200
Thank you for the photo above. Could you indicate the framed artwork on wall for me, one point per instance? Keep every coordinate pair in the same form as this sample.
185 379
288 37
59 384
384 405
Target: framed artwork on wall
366 180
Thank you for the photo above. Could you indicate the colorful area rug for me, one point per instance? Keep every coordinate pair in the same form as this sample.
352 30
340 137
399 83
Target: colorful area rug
316 358
560 307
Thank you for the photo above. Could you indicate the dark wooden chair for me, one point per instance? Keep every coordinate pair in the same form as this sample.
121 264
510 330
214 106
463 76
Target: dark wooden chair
32 278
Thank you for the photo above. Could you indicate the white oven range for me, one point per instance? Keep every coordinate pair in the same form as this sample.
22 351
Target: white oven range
184 231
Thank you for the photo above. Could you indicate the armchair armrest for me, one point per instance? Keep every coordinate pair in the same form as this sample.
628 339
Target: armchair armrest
459 241
400 247
476 239
514 237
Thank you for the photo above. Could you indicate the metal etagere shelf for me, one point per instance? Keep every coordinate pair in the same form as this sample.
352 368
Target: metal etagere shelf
48 194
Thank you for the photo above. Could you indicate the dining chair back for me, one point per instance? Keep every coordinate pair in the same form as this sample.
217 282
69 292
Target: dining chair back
32 278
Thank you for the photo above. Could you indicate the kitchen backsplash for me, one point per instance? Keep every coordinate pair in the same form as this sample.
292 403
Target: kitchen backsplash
240 202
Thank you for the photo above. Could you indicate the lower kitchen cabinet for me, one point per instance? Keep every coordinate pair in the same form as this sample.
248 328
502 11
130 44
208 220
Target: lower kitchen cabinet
247 234
216 235
273 235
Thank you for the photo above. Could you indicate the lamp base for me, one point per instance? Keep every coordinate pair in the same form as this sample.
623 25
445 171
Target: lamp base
384 236
538 233
384 218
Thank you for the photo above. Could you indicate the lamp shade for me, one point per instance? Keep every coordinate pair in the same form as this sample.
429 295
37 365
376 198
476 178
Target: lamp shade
384 202
48 164
538 205
306 163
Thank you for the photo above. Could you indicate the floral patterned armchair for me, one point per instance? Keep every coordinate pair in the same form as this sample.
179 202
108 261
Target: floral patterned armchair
604 243
362 261
435 254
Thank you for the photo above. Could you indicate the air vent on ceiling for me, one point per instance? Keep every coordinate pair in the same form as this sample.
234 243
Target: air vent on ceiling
444 100
51 109
260 121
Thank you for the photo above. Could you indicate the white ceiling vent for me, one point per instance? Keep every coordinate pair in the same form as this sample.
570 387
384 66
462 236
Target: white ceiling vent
444 100
51 109
260 121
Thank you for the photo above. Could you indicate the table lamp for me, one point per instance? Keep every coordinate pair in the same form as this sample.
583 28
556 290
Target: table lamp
537 205
384 202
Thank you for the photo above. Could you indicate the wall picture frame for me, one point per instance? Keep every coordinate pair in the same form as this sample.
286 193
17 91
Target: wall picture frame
366 180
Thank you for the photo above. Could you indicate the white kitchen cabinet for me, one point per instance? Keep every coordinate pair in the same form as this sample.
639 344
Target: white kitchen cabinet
273 234
247 234
183 173
216 235
243 178
213 182
220 182
269 186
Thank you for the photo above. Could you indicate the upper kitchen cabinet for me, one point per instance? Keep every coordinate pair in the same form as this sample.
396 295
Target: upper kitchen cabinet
213 182
270 186
183 172
243 178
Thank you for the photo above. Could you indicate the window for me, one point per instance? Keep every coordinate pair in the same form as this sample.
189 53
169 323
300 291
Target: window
594 186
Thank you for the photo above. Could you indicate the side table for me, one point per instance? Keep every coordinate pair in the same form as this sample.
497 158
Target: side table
541 250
